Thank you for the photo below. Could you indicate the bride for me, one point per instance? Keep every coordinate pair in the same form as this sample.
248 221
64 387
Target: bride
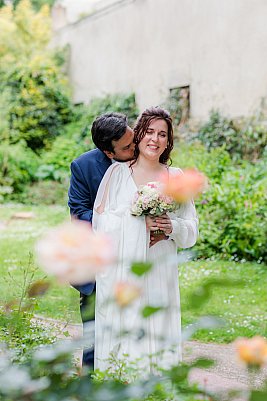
124 332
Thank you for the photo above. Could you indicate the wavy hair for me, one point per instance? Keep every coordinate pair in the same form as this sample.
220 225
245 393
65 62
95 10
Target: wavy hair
141 126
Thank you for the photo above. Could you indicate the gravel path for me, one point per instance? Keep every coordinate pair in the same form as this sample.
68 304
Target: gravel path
227 373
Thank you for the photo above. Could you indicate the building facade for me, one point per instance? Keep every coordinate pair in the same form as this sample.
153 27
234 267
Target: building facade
216 50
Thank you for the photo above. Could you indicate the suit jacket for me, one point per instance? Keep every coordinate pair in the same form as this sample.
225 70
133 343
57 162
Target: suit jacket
87 172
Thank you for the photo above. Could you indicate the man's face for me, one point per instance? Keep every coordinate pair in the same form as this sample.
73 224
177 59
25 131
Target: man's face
123 148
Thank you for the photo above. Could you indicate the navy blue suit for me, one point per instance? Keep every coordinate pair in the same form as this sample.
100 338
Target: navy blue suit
87 172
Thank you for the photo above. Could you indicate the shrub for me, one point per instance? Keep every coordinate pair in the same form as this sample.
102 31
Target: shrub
233 211
218 131
56 162
233 215
38 102
213 163
44 192
21 334
18 330
119 103
18 167
242 138
33 89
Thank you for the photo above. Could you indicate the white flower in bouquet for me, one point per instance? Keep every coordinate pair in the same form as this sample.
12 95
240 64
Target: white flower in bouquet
150 200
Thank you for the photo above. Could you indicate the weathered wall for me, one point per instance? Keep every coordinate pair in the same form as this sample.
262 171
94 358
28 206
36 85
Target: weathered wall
217 47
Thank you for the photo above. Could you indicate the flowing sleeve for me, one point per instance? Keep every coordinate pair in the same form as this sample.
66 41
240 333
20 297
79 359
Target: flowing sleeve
184 223
112 215
102 196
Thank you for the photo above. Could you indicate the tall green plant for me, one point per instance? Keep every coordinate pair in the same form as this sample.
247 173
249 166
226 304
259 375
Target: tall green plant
33 89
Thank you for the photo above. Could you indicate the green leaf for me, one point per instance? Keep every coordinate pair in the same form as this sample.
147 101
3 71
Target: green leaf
179 373
203 363
38 288
202 293
258 396
150 310
141 268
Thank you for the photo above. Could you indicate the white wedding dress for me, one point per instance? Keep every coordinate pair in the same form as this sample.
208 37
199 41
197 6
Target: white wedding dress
123 331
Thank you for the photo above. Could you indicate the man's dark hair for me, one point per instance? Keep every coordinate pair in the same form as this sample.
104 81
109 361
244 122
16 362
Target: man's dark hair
107 128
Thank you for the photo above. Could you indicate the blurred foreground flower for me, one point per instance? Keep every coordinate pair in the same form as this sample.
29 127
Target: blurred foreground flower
252 351
74 253
125 293
184 186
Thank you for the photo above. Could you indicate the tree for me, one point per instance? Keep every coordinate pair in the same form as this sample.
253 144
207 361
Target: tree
33 89
37 4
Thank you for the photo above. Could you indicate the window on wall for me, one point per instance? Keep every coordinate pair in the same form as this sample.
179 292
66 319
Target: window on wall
179 104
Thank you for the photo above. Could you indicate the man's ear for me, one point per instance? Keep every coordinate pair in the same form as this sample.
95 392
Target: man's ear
109 154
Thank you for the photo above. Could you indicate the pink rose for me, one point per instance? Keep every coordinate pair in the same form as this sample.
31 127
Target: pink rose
252 351
74 253
125 293
184 186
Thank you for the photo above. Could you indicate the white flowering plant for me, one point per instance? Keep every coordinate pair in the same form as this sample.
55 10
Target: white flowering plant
150 200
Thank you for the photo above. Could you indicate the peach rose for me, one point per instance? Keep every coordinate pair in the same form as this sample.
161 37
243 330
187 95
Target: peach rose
252 351
184 186
125 293
74 253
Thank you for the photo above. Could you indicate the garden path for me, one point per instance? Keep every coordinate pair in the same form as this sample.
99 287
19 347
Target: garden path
227 374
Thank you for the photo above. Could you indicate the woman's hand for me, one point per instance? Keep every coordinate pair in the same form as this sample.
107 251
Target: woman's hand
164 223
155 223
151 224
156 238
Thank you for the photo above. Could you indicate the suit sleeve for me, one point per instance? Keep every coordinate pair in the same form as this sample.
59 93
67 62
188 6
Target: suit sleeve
80 202
81 207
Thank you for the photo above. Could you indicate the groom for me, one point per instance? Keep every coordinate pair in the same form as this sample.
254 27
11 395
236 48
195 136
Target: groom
114 141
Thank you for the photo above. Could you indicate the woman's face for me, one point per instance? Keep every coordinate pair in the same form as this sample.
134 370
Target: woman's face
155 140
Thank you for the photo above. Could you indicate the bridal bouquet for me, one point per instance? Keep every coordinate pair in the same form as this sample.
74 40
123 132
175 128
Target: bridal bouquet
150 200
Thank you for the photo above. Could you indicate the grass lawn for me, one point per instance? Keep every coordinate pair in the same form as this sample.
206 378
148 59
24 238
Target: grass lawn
17 245
244 308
